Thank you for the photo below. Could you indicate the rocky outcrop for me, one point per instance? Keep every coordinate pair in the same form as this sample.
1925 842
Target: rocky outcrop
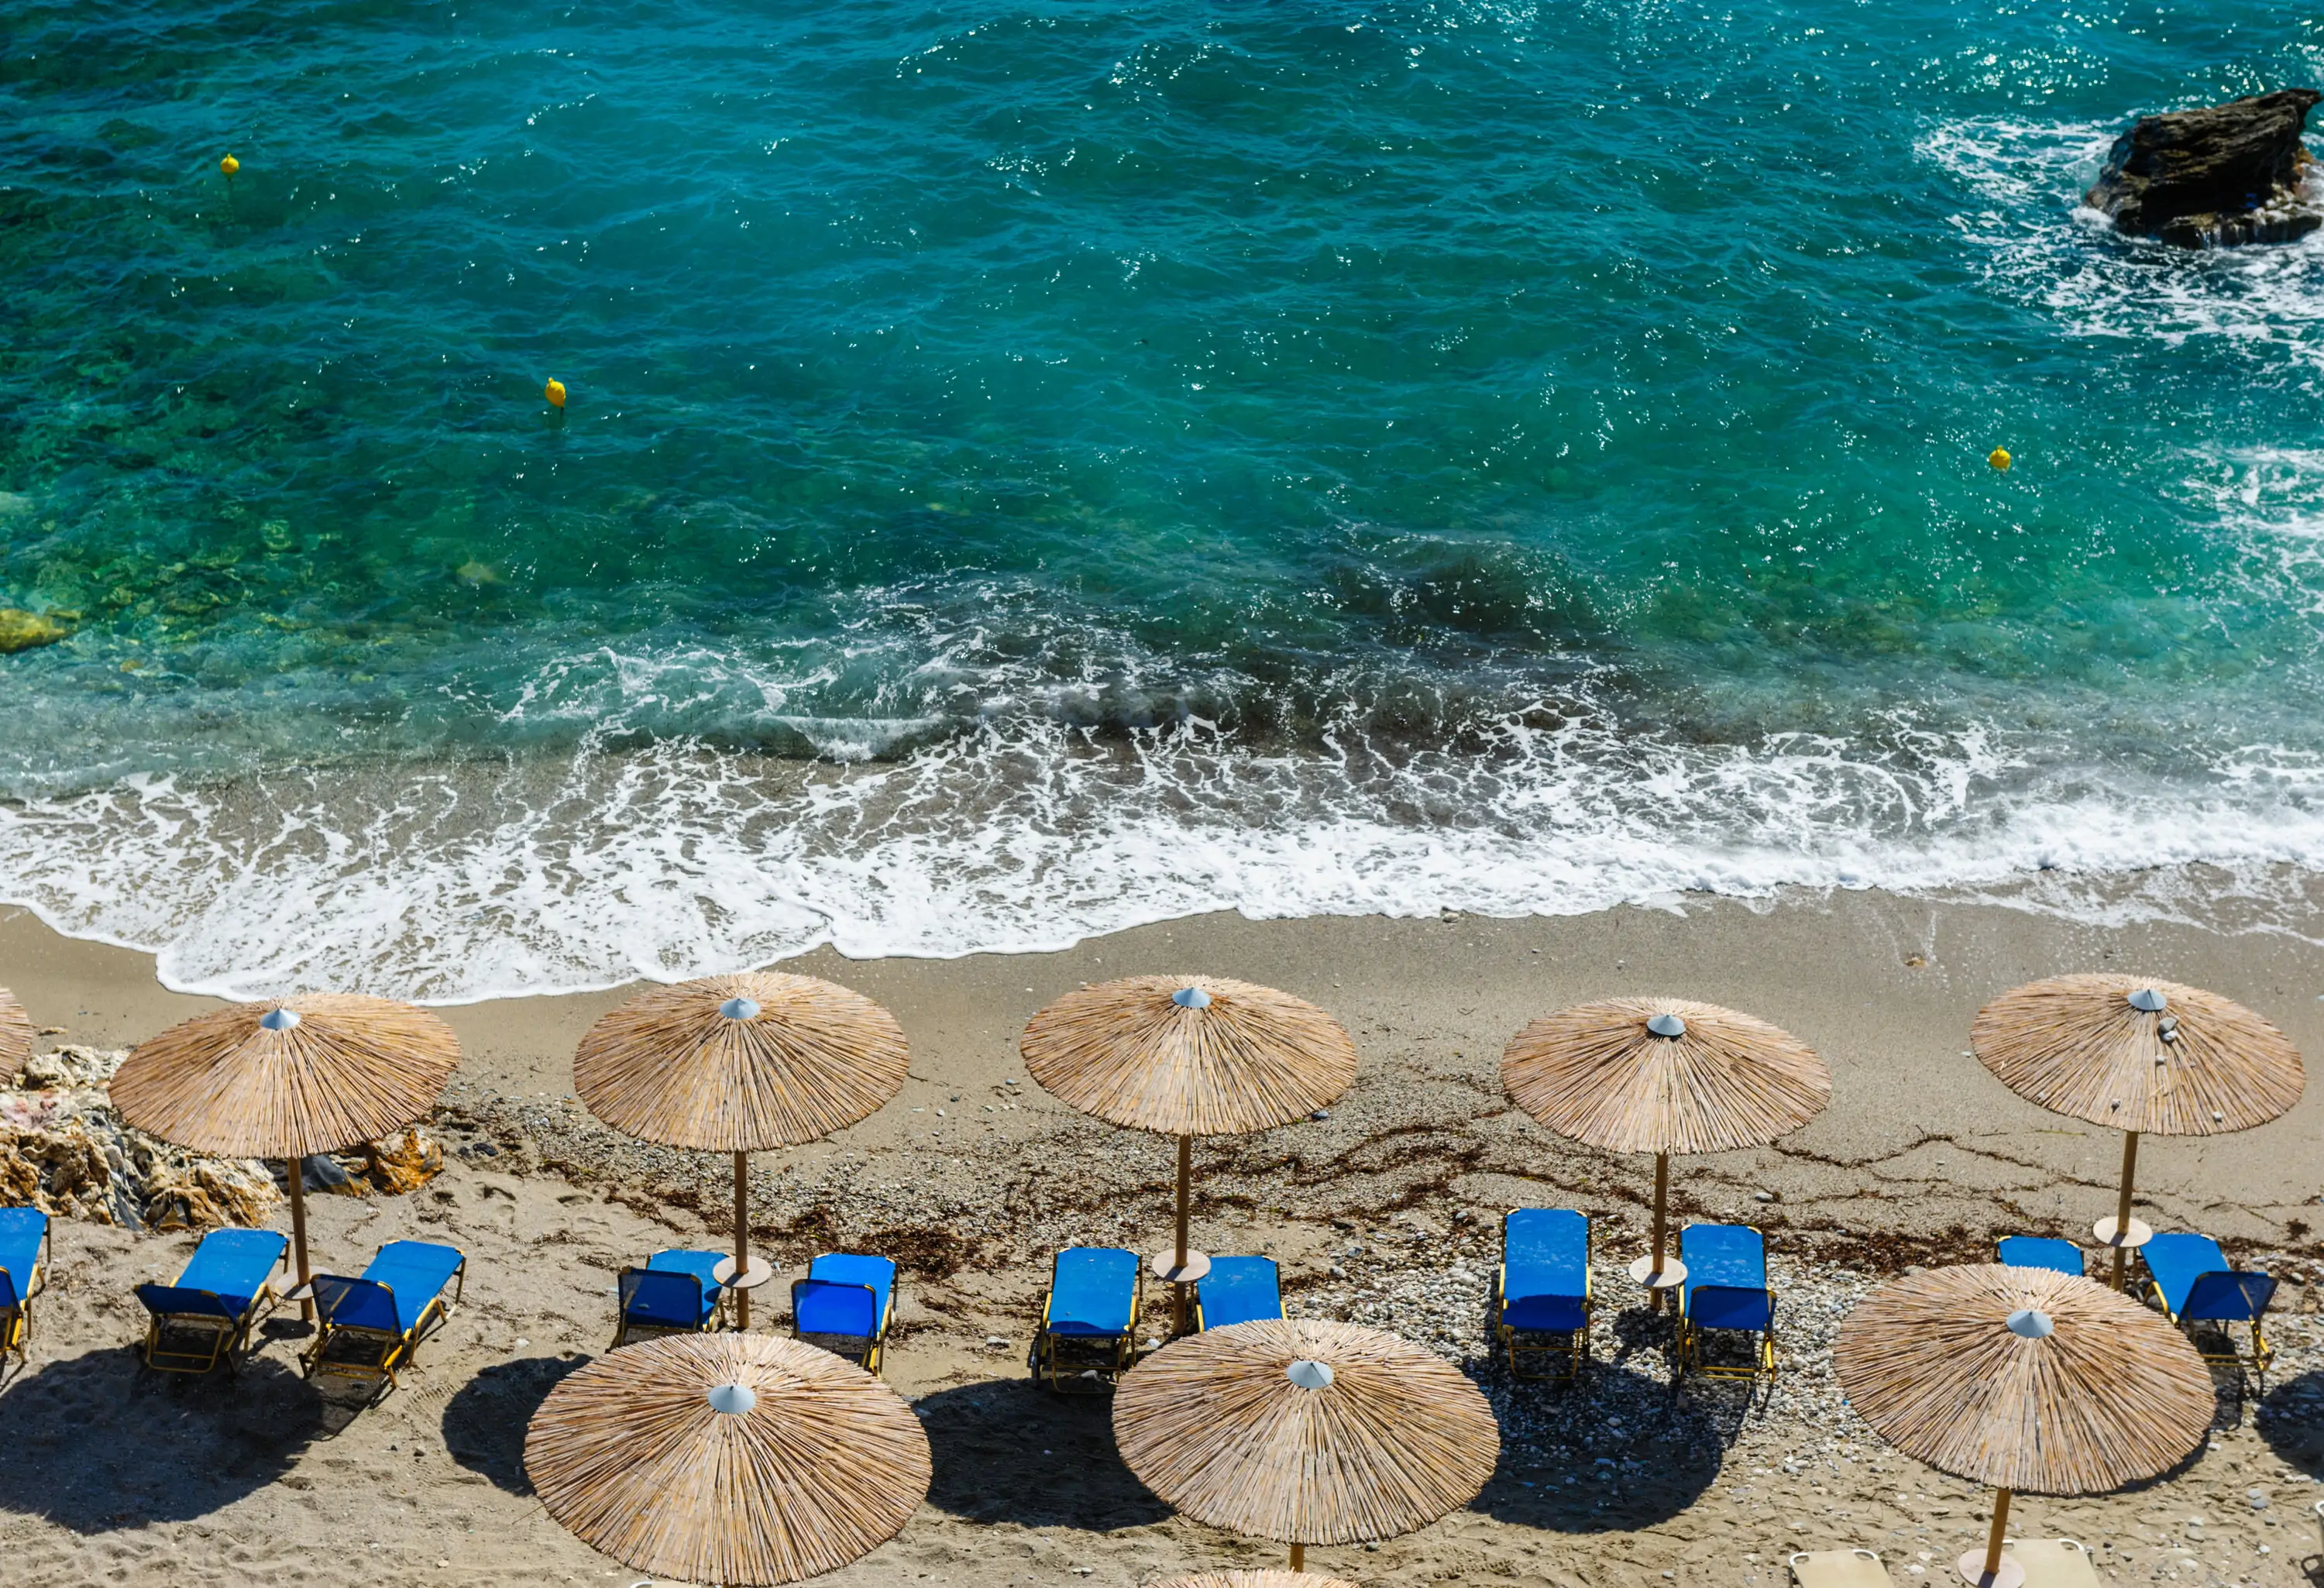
65 1151
2217 176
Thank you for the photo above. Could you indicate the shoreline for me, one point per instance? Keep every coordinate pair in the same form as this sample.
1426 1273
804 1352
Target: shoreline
1432 1001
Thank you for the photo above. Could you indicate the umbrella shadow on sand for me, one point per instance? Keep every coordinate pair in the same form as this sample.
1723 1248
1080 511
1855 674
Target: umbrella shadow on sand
100 1442
1008 1450
486 1420
2290 1418
1635 1454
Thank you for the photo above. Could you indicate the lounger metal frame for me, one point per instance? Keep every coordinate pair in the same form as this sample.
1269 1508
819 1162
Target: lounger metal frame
1108 1356
1691 1355
1692 1359
229 1337
2257 1359
16 1325
1576 1346
624 1331
394 1350
854 1347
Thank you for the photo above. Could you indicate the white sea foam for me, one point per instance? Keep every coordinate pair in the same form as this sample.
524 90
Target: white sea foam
2023 180
462 883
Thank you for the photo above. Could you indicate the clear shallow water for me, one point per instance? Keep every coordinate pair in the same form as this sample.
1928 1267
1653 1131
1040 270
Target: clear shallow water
1031 470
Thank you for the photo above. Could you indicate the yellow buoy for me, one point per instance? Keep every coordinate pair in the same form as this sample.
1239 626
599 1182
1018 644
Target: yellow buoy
555 393
229 165
1998 458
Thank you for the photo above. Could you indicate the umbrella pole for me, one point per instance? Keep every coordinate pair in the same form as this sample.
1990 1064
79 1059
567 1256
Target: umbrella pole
1992 1573
2122 1208
1179 1292
298 1179
741 1236
1662 1204
1299 1558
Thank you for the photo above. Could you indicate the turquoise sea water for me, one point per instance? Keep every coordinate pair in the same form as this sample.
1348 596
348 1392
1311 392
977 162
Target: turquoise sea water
1031 470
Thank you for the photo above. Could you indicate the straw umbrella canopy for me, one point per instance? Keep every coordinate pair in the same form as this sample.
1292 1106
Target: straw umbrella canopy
2140 1056
1188 1057
740 1064
1663 1075
288 1078
16 1038
727 1458
1306 1432
2026 1380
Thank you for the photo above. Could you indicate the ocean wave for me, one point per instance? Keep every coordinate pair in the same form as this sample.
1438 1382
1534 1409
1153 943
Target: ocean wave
2023 179
466 881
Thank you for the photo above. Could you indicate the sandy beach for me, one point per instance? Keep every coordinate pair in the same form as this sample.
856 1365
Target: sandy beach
1384 1213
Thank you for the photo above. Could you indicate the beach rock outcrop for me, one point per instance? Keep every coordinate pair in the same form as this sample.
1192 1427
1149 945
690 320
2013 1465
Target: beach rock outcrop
65 1151
2217 176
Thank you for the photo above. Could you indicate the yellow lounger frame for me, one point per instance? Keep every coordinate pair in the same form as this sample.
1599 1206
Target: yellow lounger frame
1576 1350
1048 1369
390 1350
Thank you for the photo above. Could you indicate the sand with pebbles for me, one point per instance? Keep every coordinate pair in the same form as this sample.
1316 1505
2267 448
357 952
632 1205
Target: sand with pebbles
1383 1213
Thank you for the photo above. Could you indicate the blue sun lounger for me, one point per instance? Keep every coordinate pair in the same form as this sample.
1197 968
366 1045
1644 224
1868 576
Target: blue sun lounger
845 1305
1238 1290
2192 1277
2040 1251
227 1286
1726 1288
23 1253
676 1293
371 1325
1544 1289
1089 1321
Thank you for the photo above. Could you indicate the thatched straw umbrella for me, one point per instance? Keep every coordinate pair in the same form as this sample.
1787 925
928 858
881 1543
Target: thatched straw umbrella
742 1065
1188 1057
16 1038
2026 1380
1306 1433
2140 1056
1264 1579
728 1458
288 1078
1663 1075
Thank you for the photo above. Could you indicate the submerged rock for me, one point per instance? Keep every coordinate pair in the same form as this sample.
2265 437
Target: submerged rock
2216 177
21 631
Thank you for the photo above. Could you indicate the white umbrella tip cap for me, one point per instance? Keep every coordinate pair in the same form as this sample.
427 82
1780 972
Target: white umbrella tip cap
2031 1323
1191 998
1667 1025
739 1009
1309 1375
2147 1000
731 1400
278 1019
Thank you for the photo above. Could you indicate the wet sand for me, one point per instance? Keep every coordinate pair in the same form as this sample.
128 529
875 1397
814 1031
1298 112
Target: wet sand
1382 1212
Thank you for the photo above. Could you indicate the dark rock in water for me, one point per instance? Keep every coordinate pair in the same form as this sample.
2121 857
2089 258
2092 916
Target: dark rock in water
2216 177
